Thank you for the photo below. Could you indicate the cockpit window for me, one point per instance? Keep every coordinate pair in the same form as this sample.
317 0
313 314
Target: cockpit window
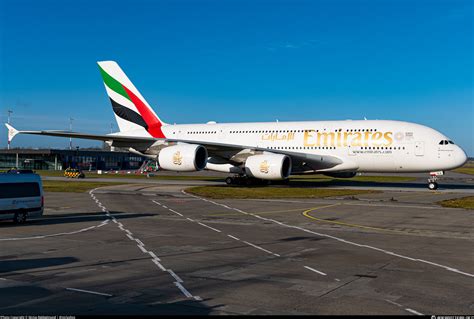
445 142
450 142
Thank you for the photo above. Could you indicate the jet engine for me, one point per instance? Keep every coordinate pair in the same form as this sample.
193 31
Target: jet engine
183 158
268 166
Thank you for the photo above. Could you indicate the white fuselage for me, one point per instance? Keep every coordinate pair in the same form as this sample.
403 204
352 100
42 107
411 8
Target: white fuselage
364 146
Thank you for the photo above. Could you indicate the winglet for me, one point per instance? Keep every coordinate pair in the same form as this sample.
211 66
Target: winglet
12 132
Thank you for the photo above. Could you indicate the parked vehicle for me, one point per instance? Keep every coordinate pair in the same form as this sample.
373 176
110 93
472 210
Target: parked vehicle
21 196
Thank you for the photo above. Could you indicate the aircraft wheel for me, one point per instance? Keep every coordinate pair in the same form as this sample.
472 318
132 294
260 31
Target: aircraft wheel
433 186
229 180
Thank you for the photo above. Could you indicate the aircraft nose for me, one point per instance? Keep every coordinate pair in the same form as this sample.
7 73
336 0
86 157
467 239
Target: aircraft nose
460 156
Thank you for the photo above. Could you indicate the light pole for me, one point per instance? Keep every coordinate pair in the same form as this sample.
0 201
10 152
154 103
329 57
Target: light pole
8 121
70 129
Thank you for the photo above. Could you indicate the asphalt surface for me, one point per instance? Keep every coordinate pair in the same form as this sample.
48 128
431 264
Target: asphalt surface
152 249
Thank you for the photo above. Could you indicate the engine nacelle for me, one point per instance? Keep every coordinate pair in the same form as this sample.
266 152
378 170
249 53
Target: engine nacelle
341 175
183 158
268 166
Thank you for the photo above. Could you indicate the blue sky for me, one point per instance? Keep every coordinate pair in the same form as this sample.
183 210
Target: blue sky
231 61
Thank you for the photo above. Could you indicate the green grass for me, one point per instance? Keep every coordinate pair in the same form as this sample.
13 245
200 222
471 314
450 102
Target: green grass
463 202
219 192
465 170
74 186
468 168
177 176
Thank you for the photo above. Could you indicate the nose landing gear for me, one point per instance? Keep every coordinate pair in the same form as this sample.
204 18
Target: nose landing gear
433 180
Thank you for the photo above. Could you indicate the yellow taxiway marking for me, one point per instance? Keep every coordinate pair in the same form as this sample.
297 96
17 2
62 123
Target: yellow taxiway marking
306 214
267 212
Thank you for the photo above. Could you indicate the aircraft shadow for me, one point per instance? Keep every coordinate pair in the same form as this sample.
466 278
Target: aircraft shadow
73 218
22 264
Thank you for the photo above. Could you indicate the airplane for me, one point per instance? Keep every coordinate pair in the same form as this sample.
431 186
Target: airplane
269 151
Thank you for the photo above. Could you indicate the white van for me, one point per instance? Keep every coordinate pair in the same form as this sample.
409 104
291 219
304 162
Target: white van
21 196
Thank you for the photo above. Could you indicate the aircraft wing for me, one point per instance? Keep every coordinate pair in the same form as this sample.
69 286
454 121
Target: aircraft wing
12 132
234 153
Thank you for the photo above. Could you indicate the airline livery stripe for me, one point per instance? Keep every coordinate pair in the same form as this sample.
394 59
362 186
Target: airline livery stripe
154 125
127 114
113 84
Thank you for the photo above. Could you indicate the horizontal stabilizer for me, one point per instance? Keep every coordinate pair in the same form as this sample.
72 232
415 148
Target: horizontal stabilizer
12 132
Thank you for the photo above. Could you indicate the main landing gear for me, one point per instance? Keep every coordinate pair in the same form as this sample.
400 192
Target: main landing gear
433 180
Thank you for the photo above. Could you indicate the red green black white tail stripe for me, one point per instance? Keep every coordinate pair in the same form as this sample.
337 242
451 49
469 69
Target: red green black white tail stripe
132 111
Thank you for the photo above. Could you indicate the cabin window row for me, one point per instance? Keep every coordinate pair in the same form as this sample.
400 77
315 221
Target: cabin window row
203 132
300 131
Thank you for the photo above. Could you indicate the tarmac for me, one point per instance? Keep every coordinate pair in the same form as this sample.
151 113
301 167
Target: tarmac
152 248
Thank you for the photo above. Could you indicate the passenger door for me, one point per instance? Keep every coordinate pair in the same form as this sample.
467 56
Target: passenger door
419 148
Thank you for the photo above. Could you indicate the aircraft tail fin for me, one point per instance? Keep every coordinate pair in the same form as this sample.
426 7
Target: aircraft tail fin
132 111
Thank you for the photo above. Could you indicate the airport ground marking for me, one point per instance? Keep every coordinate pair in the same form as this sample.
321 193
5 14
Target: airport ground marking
260 213
216 230
141 246
350 242
219 231
50 235
90 292
307 212
315 270
414 312
262 249
406 309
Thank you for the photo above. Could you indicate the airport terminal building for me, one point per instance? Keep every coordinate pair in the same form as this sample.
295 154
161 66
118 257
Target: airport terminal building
57 159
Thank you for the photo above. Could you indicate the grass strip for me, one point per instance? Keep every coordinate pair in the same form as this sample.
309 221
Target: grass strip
463 202
220 192
74 186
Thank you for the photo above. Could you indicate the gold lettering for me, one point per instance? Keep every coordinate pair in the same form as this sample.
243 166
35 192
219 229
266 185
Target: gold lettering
357 141
346 134
375 138
366 138
326 136
307 136
388 138
339 139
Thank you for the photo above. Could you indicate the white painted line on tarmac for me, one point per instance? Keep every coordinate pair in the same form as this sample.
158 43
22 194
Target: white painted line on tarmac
128 232
158 203
217 230
165 206
156 262
142 249
414 312
233 237
263 249
394 303
130 237
139 242
90 292
191 220
183 290
357 244
175 212
316 271
152 254
171 272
